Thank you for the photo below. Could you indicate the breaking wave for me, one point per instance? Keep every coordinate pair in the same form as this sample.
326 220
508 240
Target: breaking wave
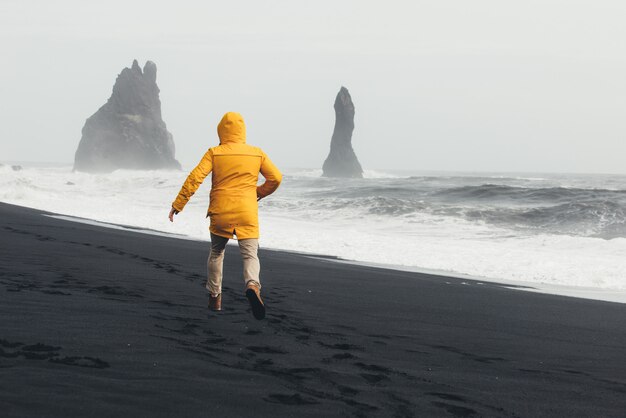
589 212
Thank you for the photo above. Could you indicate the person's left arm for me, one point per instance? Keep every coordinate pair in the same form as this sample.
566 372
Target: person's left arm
273 177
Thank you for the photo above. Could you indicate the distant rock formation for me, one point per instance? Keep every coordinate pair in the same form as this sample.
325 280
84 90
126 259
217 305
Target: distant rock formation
128 131
342 161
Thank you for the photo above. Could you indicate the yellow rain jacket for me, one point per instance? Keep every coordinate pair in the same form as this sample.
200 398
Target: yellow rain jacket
233 206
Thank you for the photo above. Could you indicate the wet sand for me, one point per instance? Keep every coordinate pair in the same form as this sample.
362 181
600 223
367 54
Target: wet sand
104 322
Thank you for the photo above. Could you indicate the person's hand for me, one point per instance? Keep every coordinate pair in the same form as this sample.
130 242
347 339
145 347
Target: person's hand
172 213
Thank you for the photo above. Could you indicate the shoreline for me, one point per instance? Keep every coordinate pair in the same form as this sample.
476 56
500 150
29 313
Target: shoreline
602 294
449 242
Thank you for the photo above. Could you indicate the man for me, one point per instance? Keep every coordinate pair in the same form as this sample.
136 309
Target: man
233 206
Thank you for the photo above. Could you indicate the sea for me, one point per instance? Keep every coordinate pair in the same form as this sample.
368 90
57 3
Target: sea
541 230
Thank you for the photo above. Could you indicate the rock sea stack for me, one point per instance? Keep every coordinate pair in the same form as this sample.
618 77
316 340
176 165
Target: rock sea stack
342 161
128 130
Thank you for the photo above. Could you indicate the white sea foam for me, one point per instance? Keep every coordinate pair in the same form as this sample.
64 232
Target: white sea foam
296 218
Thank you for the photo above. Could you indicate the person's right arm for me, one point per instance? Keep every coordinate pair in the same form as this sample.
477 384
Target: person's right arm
194 180
272 175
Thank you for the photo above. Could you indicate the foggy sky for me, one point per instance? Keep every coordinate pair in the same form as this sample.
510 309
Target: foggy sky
537 86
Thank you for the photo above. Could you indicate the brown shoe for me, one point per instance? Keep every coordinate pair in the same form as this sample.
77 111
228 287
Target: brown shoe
253 293
215 302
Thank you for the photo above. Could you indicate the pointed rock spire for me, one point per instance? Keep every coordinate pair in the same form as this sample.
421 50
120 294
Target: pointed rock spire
342 161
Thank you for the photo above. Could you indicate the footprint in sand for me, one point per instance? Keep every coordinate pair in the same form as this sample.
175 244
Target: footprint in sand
91 362
295 399
455 410
373 379
40 351
342 346
343 356
266 349
374 368
380 372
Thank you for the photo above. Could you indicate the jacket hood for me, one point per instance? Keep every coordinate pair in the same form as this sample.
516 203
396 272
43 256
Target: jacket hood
232 129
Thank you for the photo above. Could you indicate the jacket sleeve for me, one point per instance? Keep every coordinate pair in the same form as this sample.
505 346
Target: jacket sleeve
272 175
194 180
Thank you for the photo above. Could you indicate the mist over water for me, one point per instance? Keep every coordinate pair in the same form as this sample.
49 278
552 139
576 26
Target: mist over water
556 229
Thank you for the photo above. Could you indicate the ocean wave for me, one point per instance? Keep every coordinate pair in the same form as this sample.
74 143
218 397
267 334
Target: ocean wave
530 194
560 210
595 219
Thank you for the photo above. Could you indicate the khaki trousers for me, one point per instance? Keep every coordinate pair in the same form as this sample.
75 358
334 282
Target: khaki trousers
249 253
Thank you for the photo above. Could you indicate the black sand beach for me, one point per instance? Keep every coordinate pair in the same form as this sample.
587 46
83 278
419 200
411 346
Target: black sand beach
103 322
